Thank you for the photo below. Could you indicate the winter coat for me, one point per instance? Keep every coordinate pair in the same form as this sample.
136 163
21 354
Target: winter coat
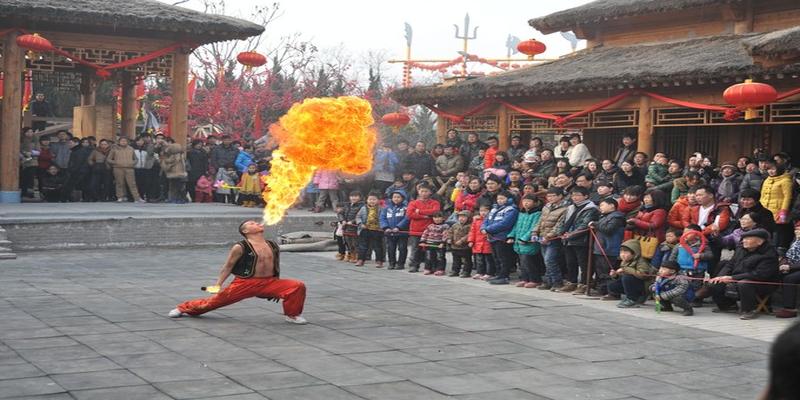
467 201
656 174
394 216
680 213
97 160
624 153
469 151
326 180
663 253
449 166
45 159
250 184
609 230
516 153
198 163
637 266
173 162
203 185
521 233
578 155
776 193
622 180
419 214
146 157
350 214
686 261
488 157
28 148
363 214
720 210
480 241
651 223
577 218
385 165
122 157
668 288
243 160
752 180
458 236
760 264
552 215
79 160
228 179
545 169
420 163
434 233
668 185
61 153
761 216
606 176
222 157
500 221
727 189
629 209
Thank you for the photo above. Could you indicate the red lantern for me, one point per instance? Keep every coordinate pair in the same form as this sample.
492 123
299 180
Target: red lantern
34 43
531 47
396 120
251 59
749 96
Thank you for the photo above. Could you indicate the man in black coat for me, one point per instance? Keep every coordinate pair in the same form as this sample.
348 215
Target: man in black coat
198 165
755 260
420 162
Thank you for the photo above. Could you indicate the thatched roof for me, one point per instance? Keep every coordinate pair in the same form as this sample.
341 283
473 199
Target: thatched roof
775 44
603 10
142 18
696 61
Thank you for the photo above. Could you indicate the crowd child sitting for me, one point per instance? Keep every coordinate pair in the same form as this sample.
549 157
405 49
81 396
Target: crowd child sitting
672 288
545 232
529 252
790 276
433 240
350 229
485 265
608 230
370 234
497 225
458 239
203 189
574 230
394 223
632 274
694 260
250 187
419 212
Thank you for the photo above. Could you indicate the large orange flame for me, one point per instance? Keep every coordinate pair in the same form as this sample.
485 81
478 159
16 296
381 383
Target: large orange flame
319 133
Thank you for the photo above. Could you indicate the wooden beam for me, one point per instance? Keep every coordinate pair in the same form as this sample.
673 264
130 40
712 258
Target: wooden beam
13 65
129 110
503 132
645 136
179 111
88 88
441 130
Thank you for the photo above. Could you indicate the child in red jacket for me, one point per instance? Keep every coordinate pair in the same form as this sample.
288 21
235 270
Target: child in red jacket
419 213
481 249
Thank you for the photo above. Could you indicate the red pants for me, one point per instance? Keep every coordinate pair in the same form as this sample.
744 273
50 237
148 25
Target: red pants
202 197
292 292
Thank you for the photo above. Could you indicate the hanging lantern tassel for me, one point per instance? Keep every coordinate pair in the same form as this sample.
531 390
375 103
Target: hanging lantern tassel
251 59
750 96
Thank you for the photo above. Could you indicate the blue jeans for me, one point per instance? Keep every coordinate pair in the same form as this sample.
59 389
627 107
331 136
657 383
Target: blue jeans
552 256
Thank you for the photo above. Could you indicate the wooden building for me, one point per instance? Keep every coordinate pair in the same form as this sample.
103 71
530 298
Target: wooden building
689 50
101 33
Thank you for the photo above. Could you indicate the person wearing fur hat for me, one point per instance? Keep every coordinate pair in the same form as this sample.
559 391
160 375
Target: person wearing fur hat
672 288
754 261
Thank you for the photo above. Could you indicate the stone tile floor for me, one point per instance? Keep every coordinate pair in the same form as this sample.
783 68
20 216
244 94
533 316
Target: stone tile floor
92 325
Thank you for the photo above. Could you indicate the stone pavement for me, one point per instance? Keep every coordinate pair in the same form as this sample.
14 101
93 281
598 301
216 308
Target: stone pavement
92 325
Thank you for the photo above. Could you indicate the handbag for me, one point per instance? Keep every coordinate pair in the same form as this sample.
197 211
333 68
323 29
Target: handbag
648 245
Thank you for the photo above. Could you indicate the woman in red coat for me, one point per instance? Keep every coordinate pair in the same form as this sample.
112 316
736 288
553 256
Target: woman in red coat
652 218
467 200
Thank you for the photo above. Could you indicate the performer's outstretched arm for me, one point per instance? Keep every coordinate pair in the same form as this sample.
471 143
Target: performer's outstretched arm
225 272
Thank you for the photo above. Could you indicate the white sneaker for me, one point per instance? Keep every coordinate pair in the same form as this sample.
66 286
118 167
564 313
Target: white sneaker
175 313
141 200
122 200
299 320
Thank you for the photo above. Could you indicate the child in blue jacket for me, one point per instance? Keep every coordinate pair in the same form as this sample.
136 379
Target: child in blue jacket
693 264
497 225
395 227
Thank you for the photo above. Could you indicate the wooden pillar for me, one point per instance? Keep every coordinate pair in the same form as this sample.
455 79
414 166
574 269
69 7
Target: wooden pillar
88 89
129 110
441 130
645 136
13 65
180 97
502 128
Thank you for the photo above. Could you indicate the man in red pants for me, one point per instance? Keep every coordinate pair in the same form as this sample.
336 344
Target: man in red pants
256 264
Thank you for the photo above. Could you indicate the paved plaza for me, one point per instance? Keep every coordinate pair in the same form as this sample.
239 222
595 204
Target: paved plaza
92 325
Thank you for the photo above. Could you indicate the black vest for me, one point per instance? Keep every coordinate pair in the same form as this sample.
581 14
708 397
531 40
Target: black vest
245 266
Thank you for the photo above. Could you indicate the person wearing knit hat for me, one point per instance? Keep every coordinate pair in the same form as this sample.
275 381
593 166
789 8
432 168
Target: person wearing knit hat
672 288
728 183
756 260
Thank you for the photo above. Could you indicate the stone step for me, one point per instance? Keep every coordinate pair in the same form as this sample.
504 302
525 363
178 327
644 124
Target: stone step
3 234
8 256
